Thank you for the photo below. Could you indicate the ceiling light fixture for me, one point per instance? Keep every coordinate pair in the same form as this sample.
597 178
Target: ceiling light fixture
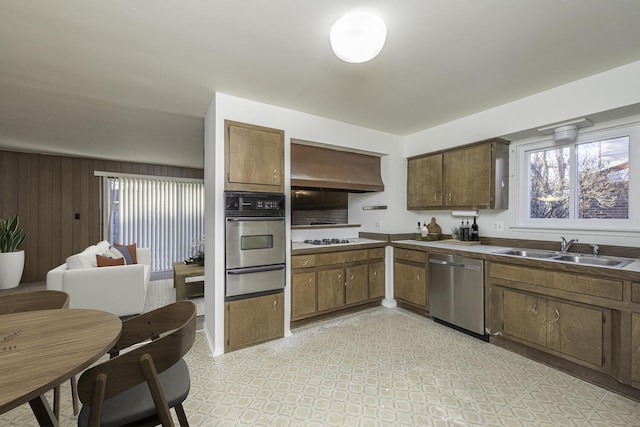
566 131
358 36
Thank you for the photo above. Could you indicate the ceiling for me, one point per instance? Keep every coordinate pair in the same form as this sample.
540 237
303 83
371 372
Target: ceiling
78 73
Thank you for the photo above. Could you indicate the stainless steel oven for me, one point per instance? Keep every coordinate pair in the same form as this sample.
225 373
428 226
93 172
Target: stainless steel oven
255 244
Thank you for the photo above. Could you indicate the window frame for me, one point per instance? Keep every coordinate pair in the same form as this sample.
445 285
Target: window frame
632 130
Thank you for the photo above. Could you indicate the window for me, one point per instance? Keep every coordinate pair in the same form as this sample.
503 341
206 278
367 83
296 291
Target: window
583 184
163 214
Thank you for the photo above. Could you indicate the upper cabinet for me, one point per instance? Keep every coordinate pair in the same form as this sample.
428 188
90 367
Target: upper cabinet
254 158
424 182
472 176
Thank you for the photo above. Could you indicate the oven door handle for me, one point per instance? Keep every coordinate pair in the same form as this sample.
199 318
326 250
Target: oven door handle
255 218
256 269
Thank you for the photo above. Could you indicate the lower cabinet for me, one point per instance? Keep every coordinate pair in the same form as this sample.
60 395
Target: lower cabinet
253 320
330 281
567 329
635 349
376 280
304 295
410 278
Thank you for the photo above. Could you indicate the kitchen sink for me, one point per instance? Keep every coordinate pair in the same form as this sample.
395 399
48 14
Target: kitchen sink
605 261
591 260
527 253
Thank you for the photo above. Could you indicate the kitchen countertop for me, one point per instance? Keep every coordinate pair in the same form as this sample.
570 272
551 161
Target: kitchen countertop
490 250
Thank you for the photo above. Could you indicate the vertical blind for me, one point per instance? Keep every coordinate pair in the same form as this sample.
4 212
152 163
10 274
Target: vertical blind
165 215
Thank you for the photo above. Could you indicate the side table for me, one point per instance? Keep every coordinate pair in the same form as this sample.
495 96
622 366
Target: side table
188 280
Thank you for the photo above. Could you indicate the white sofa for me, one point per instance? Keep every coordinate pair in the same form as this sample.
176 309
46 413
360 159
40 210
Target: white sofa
121 290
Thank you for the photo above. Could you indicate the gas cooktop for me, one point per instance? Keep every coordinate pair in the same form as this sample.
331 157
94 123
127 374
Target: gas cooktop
327 241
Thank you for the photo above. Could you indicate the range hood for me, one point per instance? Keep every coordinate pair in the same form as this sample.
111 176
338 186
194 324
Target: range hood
324 168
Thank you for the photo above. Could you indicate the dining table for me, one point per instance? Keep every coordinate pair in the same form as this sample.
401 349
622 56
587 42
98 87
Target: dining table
41 349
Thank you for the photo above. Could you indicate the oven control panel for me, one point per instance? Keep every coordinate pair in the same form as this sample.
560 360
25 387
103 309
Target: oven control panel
254 204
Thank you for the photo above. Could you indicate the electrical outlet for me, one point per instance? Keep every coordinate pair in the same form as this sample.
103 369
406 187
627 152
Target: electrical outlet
497 226
378 224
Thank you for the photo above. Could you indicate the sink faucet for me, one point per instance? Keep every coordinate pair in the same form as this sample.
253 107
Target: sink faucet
596 250
564 245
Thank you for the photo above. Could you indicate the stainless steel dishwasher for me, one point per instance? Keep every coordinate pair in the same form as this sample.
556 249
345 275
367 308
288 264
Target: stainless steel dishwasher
456 293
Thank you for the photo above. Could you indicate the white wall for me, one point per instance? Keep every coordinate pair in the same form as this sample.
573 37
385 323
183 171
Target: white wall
296 125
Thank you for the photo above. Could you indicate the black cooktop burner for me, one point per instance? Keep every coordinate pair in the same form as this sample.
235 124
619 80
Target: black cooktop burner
326 241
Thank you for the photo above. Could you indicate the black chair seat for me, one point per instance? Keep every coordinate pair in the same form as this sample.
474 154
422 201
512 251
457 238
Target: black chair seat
136 403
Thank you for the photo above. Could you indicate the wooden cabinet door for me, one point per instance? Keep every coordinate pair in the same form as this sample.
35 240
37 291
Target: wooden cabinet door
303 295
576 331
409 284
525 317
330 289
356 284
635 349
376 280
254 158
253 320
424 182
467 176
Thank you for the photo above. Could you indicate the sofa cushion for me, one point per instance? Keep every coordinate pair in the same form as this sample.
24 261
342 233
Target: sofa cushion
128 252
103 246
85 259
104 261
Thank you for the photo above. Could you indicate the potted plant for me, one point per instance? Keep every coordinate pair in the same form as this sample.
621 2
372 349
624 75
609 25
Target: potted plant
11 259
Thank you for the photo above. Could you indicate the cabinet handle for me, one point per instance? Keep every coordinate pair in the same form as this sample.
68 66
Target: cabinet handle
375 272
306 262
309 281
275 304
435 197
418 276
406 255
449 196
351 276
339 276
557 315
535 307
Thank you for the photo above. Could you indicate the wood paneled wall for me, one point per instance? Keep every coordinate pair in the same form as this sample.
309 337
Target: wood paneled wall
48 191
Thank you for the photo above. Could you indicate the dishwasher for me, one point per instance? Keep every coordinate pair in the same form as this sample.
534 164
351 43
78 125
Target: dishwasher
456 293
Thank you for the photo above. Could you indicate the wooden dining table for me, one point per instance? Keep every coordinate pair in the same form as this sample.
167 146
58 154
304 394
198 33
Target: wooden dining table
41 349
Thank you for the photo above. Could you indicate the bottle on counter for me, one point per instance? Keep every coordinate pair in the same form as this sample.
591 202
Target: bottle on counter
462 236
419 232
424 231
475 234
467 232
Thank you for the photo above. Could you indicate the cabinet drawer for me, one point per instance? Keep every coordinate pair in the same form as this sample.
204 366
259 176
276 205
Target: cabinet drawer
587 285
341 257
409 255
376 253
303 261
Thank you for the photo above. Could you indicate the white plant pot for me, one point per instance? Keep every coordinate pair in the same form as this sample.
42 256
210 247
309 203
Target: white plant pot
11 268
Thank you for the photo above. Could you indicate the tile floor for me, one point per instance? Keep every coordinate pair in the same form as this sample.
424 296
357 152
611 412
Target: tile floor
381 367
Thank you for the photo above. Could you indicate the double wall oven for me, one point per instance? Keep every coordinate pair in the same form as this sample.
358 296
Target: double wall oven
255 244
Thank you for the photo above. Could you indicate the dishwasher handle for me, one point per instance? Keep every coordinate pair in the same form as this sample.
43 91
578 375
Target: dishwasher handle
454 264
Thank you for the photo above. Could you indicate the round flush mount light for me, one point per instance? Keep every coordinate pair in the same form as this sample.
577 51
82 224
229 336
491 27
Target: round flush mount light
565 133
358 36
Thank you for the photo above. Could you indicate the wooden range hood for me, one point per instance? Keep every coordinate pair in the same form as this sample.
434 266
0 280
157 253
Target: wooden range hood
324 168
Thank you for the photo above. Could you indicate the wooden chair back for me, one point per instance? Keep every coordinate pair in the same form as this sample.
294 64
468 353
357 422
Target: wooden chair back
31 301
168 333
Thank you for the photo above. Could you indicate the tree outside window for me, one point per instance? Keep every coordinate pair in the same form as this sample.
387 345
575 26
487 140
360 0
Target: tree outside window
584 181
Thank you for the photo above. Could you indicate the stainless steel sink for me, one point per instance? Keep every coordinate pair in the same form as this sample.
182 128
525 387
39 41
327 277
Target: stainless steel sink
605 261
527 253
591 260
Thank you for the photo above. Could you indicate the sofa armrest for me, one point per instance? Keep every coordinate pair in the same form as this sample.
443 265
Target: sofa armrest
120 290
55 278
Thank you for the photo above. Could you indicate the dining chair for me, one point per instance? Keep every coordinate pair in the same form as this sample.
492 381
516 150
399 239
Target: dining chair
145 375
41 300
